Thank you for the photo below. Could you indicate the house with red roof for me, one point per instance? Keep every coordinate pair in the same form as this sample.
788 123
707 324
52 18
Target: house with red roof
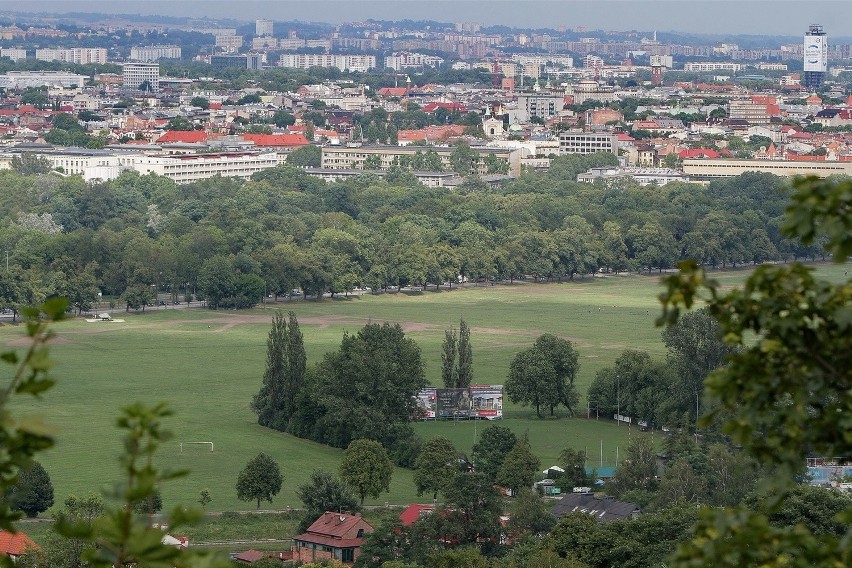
452 107
387 92
277 140
706 153
333 535
414 513
185 136
14 545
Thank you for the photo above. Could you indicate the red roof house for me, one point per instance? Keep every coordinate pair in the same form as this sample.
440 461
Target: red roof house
414 513
186 136
333 535
277 140
16 544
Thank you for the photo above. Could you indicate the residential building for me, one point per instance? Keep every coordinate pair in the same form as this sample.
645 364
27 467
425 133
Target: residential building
755 112
229 42
407 60
353 157
540 106
13 53
702 67
578 142
188 168
155 52
263 28
80 55
134 75
337 536
359 63
14 545
602 509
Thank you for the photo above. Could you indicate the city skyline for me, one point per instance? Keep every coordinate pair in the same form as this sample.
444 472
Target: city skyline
718 17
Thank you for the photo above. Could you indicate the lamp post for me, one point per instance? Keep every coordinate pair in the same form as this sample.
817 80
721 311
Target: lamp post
618 397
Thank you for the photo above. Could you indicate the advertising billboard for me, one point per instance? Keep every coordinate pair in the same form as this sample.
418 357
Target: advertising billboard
427 403
816 53
475 402
487 401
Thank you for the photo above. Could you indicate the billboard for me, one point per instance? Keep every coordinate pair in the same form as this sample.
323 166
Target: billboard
816 53
477 401
426 403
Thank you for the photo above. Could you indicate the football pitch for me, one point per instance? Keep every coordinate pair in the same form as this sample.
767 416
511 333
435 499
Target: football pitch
207 365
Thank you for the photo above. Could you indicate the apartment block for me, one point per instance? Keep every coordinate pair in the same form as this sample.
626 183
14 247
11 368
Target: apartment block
80 55
13 53
135 74
578 142
712 66
150 53
353 157
359 63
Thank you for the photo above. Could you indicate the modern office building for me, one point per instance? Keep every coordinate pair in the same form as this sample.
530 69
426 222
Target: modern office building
134 75
815 57
155 52
263 28
579 142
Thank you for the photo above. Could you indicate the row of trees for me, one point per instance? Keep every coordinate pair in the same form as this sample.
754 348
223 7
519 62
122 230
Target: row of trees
232 242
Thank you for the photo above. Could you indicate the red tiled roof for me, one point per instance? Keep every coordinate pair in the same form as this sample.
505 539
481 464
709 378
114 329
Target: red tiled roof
15 544
330 541
432 107
392 91
413 513
698 153
188 136
334 524
277 139
249 556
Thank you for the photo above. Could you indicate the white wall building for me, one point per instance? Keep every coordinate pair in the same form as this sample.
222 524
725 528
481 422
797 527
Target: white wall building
154 52
80 55
712 66
188 168
24 79
13 53
134 74
229 42
406 60
263 28
579 142
359 63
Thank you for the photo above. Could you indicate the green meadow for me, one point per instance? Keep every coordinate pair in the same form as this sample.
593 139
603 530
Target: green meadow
208 365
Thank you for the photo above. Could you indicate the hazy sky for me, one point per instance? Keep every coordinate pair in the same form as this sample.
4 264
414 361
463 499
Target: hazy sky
759 17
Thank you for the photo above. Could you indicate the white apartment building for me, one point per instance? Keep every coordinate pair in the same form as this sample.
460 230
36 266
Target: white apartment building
541 106
579 142
359 63
229 42
134 74
13 53
263 28
80 55
406 60
712 66
24 79
188 168
154 52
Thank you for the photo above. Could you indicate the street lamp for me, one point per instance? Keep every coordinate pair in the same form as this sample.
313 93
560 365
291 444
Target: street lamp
618 397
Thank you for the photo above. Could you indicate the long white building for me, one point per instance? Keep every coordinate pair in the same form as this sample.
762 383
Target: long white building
154 52
13 53
35 79
359 63
135 74
407 60
80 55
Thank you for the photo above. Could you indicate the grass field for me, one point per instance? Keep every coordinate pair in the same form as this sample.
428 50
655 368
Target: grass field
208 365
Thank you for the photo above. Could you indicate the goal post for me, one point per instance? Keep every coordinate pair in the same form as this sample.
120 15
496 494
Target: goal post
196 443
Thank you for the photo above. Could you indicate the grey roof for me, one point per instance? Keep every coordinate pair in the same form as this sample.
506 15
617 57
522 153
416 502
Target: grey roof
603 509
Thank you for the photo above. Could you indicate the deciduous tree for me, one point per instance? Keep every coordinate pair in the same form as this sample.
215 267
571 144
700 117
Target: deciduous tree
436 466
366 468
261 479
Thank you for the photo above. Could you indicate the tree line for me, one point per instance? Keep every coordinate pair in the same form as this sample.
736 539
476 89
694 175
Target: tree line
232 242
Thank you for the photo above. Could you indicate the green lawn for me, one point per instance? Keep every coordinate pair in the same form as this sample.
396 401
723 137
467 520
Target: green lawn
208 365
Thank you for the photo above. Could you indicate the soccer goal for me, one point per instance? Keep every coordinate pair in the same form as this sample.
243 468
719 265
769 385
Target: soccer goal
193 444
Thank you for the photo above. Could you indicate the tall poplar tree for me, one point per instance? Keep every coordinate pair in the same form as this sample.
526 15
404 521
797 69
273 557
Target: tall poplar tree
465 368
449 350
286 361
